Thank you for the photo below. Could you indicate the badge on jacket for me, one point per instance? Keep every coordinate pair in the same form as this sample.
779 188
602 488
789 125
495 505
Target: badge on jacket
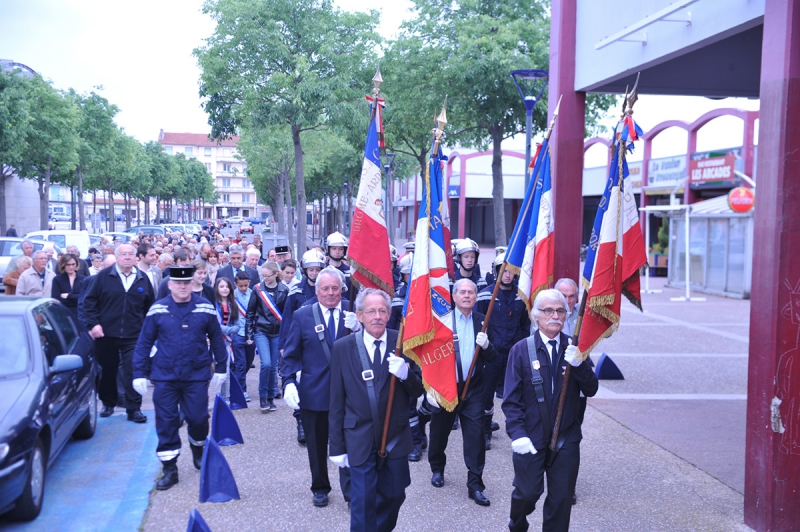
536 365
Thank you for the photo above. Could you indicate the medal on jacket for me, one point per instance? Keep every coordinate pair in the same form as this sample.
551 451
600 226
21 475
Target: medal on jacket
536 365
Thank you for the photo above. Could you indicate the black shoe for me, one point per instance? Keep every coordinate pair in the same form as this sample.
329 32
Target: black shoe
495 426
456 424
106 411
137 417
479 498
197 456
574 499
301 433
264 405
170 476
415 455
320 500
271 406
437 479
277 395
488 441
424 444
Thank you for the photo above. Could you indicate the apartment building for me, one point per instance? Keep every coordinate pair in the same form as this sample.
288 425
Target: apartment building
237 197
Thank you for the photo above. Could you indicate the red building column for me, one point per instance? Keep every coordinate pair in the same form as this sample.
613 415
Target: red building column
772 459
567 140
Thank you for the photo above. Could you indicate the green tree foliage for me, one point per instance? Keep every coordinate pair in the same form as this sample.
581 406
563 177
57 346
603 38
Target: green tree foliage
295 63
51 141
14 125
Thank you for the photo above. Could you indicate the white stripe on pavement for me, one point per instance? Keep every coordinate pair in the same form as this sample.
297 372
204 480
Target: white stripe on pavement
605 393
689 325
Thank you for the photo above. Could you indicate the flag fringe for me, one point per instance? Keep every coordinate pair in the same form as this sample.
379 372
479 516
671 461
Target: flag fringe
363 270
608 332
419 340
635 300
444 403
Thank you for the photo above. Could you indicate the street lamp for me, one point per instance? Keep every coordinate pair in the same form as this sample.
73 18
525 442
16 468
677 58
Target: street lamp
387 165
530 84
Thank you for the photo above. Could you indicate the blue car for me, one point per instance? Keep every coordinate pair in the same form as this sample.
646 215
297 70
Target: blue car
48 378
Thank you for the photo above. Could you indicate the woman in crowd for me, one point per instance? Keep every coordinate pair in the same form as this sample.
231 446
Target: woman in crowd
97 264
10 279
228 315
212 266
67 284
199 286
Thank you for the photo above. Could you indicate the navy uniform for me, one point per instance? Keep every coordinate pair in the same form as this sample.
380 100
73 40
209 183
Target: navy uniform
337 239
304 352
509 324
180 370
474 275
524 419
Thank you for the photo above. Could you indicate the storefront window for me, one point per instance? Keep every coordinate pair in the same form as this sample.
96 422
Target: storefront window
738 229
677 270
717 244
697 249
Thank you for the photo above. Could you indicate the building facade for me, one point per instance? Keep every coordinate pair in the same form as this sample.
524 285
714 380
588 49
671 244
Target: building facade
237 197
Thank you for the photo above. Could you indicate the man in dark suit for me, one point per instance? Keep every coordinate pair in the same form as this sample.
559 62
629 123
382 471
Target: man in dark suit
308 349
467 328
357 397
530 374
237 265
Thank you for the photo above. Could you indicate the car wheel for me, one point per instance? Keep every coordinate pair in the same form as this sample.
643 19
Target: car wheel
86 429
29 503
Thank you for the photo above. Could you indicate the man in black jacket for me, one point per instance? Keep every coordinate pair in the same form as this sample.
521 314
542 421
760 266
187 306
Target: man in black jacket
536 367
237 265
467 328
358 397
113 310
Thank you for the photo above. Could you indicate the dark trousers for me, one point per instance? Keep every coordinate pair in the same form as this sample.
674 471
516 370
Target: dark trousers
529 472
493 378
417 431
243 358
315 425
377 495
470 413
110 351
192 398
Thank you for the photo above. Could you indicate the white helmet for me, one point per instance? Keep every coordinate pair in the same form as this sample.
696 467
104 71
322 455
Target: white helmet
406 262
311 258
467 244
393 253
336 239
498 261
500 249
410 246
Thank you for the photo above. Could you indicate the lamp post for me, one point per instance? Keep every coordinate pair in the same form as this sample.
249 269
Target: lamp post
387 165
528 82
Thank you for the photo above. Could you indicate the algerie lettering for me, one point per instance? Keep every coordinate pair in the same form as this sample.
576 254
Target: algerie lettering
431 357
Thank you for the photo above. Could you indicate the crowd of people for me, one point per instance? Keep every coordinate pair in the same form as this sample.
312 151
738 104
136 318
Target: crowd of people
188 314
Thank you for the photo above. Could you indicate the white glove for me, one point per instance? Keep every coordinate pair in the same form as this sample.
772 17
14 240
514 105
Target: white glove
341 460
397 366
351 321
432 400
140 385
482 339
523 446
217 380
291 397
571 356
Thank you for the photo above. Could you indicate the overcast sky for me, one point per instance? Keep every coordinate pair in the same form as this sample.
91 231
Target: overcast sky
141 54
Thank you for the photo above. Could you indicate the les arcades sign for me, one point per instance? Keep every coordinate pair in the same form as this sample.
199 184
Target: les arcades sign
715 169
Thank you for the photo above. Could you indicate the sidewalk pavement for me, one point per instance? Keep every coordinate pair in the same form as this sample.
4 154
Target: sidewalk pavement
663 450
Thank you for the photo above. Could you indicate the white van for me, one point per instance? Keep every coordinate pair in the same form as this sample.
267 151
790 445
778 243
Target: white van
64 238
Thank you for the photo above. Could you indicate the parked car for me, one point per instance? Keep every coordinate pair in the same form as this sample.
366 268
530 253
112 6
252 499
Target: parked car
124 237
194 229
50 377
12 246
174 228
64 238
234 220
146 229
246 227
255 220
59 217
208 223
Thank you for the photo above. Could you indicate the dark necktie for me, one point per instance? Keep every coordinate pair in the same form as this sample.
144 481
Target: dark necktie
376 360
553 361
331 326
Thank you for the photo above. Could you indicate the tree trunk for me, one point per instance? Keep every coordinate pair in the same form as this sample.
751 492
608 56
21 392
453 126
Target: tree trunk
81 209
300 191
112 217
498 202
72 218
5 174
146 210
158 208
289 217
94 208
340 211
280 203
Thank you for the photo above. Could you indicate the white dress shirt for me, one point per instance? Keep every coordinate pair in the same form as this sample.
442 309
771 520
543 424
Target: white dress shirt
127 280
369 343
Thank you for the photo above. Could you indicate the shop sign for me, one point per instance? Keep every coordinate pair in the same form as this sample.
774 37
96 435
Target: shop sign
453 191
668 172
741 199
713 169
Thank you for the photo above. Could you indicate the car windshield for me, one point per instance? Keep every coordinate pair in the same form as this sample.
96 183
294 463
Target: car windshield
14 347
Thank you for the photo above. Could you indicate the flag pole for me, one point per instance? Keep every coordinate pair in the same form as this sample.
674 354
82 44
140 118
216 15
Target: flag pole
627 108
503 266
438 132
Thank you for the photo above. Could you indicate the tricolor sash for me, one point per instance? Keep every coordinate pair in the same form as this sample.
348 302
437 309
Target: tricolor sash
267 299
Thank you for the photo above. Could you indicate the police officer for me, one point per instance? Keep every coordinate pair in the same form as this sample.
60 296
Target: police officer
491 274
311 264
509 325
467 253
533 382
336 250
180 368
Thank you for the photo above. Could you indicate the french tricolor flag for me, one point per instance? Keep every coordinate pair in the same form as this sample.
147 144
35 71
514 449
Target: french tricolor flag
428 333
530 252
368 252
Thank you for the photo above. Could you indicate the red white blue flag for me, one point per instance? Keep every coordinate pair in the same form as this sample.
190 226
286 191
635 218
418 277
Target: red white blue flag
368 252
616 249
530 252
428 333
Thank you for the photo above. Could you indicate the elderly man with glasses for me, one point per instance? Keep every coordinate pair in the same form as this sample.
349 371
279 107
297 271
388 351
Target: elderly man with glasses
534 378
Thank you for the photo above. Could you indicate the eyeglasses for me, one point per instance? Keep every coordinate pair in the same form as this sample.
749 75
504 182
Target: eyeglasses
372 312
330 289
549 312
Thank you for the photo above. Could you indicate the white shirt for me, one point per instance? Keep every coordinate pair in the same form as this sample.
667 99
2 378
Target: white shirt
571 322
326 316
127 280
150 275
369 343
549 347
466 342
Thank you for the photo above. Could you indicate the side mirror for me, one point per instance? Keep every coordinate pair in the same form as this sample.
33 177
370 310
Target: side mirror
64 363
